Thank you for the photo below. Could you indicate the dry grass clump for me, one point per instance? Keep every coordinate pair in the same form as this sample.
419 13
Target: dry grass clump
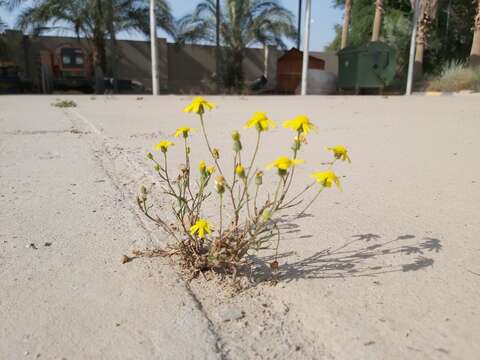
456 77
64 103
247 212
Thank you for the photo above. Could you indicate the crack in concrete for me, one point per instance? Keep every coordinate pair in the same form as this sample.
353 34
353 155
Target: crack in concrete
105 153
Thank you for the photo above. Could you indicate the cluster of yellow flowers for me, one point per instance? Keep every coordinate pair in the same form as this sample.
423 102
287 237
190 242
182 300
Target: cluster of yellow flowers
300 125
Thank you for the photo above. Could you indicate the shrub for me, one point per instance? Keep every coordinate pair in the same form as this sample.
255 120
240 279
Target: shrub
245 223
64 103
456 77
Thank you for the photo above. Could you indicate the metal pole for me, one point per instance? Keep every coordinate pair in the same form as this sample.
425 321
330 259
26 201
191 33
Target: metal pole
413 44
299 28
153 44
217 50
306 47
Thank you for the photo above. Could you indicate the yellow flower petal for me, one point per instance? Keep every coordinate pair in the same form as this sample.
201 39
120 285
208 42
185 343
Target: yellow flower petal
198 106
183 131
163 145
284 163
340 152
300 124
260 121
200 228
327 179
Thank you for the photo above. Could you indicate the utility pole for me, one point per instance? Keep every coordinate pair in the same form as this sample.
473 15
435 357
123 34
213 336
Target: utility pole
299 28
153 44
217 50
411 60
306 47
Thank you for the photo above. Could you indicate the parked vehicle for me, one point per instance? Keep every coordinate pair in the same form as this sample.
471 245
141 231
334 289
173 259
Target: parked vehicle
67 68
10 82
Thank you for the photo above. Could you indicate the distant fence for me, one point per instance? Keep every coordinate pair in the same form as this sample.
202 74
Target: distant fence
183 70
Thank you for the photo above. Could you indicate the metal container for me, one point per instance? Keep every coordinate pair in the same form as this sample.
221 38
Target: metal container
371 66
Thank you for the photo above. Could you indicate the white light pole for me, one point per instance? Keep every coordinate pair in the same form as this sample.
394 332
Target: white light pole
306 45
153 43
413 43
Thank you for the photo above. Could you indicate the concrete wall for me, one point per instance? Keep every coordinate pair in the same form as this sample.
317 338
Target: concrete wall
191 68
182 70
331 60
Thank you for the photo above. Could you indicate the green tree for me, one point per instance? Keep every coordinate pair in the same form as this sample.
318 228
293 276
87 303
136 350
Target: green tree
243 23
97 20
448 39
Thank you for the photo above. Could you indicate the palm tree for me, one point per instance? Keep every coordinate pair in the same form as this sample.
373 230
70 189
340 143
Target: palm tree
2 24
475 52
97 20
427 14
346 23
377 22
243 23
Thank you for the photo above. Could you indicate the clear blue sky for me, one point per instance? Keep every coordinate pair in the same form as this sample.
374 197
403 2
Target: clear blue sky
324 17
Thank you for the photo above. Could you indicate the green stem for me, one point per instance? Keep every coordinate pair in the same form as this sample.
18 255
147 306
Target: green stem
311 202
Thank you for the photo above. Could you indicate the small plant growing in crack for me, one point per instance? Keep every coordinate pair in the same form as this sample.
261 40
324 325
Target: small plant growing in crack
64 103
247 212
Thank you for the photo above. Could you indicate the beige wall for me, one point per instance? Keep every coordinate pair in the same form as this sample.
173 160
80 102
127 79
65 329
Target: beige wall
182 70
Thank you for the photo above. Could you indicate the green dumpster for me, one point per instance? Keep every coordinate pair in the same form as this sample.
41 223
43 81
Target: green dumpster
371 66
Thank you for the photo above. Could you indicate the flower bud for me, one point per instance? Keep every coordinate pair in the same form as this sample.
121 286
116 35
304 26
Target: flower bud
266 215
282 172
240 170
236 135
216 154
259 178
237 146
157 168
150 156
203 168
220 184
211 170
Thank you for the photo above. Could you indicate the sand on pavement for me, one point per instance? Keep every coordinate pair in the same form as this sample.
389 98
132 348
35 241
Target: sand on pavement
387 269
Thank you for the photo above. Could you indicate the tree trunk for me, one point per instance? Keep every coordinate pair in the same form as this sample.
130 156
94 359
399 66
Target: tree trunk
100 58
475 53
113 46
428 11
377 22
346 23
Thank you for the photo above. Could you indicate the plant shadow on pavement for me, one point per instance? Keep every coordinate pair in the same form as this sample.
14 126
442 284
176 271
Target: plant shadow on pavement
365 255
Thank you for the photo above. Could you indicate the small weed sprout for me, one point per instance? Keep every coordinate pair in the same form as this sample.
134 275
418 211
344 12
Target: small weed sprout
244 225
64 103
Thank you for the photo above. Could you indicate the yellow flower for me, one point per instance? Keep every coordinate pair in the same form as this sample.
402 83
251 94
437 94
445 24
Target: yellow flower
284 163
327 178
183 131
340 152
198 106
200 228
240 170
260 121
164 145
211 170
300 124
202 166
